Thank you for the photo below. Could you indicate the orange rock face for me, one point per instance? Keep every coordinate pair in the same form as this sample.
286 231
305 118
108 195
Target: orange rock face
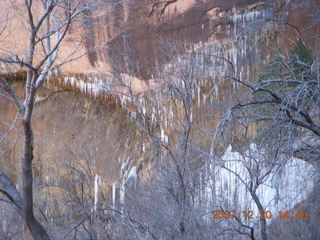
136 41
136 30
133 37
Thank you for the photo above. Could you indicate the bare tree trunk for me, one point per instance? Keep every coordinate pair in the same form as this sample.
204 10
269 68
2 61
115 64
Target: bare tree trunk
53 22
36 229
263 221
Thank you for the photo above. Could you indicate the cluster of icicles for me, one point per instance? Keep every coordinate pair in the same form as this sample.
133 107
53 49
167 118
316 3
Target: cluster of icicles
238 51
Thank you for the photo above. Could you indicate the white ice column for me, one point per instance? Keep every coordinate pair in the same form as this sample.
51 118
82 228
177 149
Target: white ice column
122 192
96 191
113 194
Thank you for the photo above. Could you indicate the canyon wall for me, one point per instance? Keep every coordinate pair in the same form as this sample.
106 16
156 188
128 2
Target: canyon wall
141 40
77 119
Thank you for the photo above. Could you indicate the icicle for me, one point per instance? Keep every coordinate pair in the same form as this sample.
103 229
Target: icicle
143 147
133 173
200 188
113 194
96 191
199 96
216 91
162 134
143 110
122 192
152 117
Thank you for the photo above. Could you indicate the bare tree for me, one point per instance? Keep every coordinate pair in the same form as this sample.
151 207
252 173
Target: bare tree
172 118
280 114
176 204
47 24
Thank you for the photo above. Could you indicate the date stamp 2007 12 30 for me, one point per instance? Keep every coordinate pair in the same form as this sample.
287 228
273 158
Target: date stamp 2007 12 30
300 214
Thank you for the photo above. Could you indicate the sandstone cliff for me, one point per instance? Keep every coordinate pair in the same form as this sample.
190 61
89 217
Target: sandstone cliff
83 113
